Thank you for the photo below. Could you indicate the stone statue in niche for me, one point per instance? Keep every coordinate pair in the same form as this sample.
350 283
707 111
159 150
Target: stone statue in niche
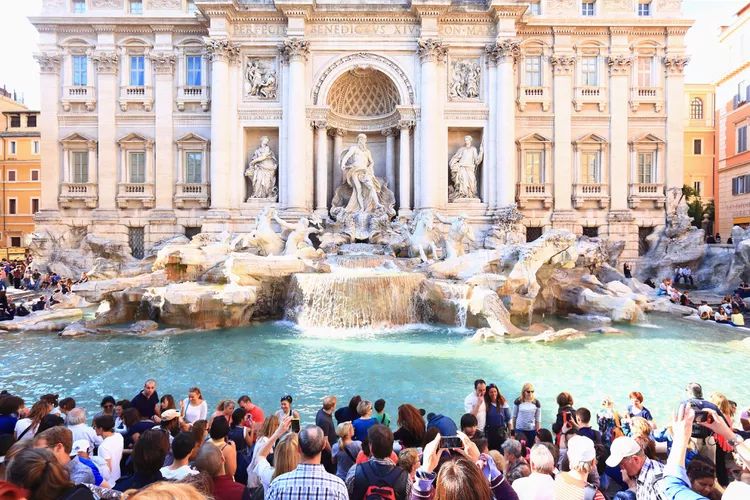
465 80
463 171
261 171
261 80
358 165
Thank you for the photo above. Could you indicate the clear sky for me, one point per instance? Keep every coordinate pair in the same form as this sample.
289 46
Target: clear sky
18 40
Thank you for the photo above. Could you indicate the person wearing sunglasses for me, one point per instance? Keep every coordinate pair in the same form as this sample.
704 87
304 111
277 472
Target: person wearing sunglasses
527 414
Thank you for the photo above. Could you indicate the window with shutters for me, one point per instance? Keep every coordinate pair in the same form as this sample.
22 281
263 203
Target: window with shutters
15 121
742 139
35 175
589 71
12 206
31 121
34 205
645 168
80 167
697 146
697 187
11 176
590 168
137 167
645 72
193 167
534 167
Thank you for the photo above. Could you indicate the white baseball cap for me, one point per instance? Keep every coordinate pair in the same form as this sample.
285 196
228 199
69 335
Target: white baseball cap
622 447
170 414
580 449
78 446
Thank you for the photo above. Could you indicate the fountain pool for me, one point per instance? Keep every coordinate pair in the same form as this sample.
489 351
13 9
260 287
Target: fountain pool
432 367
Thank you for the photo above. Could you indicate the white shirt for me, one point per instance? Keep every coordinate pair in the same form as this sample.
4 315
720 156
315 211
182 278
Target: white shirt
177 474
111 449
264 471
195 413
469 403
705 309
253 480
21 426
83 431
535 487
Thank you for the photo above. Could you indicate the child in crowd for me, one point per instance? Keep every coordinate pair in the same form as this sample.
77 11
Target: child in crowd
583 419
380 415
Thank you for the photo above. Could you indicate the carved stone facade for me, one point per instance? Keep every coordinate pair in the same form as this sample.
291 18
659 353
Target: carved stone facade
570 118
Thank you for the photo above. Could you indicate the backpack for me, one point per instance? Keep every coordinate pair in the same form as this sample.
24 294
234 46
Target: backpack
589 492
380 488
617 431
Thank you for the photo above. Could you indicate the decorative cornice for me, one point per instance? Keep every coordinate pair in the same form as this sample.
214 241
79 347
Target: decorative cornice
406 124
336 132
619 65
294 49
49 62
259 114
431 50
563 65
504 50
105 28
163 62
319 124
466 114
106 62
675 65
221 49
389 132
162 28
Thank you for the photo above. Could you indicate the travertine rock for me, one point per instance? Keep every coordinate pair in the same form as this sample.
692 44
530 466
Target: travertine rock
686 249
29 322
485 335
98 290
553 336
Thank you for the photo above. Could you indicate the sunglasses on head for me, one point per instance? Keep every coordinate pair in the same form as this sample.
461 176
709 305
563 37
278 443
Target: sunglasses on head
528 391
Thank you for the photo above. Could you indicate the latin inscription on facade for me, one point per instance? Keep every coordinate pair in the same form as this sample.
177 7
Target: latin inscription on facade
260 29
369 29
466 30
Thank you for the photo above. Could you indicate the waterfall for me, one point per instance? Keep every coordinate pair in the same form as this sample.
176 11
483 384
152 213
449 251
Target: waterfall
358 261
459 296
359 298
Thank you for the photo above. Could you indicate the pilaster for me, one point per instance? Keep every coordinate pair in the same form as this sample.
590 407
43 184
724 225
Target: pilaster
562 67
675 138
49 69
321 167
404 168
619 179
163 64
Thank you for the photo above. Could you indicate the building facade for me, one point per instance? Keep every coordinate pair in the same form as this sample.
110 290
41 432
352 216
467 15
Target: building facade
20 165
155 110
700 136
732 119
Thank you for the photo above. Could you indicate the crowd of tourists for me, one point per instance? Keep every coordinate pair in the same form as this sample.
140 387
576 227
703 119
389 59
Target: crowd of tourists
152 447
22 275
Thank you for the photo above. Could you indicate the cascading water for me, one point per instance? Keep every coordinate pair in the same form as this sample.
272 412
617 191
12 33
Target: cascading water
358 298
358 261
458 294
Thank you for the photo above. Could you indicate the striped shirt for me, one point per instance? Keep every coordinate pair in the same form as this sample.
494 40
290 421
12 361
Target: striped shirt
307 482
527 414
569 488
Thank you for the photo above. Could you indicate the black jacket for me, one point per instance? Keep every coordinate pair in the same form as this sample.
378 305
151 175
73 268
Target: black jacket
379 470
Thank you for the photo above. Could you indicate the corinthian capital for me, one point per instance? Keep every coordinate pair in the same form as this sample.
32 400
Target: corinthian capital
431 50
619 65
504 50
294 49
221 49
675 65
563 65
163 63
106 62
48 62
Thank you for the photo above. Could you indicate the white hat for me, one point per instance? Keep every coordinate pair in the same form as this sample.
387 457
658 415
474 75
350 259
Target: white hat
736 491
170 414
78 446
622 447
580 449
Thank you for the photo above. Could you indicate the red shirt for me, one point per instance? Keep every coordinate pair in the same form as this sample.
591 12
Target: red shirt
226 489
254 415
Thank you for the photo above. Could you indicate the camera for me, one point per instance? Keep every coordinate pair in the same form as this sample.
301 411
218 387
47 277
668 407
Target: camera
701 416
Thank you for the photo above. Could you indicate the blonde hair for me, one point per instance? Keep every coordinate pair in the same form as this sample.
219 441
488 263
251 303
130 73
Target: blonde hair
499 459
722 402
527 387
197 391
407 459
329 402
286 455
270 424
164 490
639 426
363 407
223 404
342 431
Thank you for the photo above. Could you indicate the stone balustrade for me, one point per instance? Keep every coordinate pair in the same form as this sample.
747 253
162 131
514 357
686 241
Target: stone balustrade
193 94
590 95
129 193
598 192
646 192
528 95
187 193
136 94
534 192
647 95
73 194
85 95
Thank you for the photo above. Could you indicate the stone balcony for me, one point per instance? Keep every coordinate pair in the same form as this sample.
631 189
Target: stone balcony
653 193
528 95
136 94
646 95
590 192
135 194
192 194
192 94
527 194
590 95
85 95
76 194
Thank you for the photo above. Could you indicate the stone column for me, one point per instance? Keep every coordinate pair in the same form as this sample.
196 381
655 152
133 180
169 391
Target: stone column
506 53
107 64
619 180
295 51
489 168
675 108
562 67
163 64
338 148
67 175
221 51
49 69
390 157
404 168
321 168
431 51
93 163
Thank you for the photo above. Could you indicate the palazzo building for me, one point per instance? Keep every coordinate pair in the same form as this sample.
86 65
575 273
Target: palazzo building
153 110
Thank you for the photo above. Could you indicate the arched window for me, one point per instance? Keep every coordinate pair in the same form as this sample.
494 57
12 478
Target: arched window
696 109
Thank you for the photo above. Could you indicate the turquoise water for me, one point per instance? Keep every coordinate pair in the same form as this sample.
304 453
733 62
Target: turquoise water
429 366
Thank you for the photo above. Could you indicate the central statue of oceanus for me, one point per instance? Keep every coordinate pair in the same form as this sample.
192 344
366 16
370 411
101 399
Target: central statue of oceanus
363 204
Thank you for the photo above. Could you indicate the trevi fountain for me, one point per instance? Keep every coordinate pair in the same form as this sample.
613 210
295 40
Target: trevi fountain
417 307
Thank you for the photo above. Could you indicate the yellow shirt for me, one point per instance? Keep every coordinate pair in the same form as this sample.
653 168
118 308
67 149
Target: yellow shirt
738 319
